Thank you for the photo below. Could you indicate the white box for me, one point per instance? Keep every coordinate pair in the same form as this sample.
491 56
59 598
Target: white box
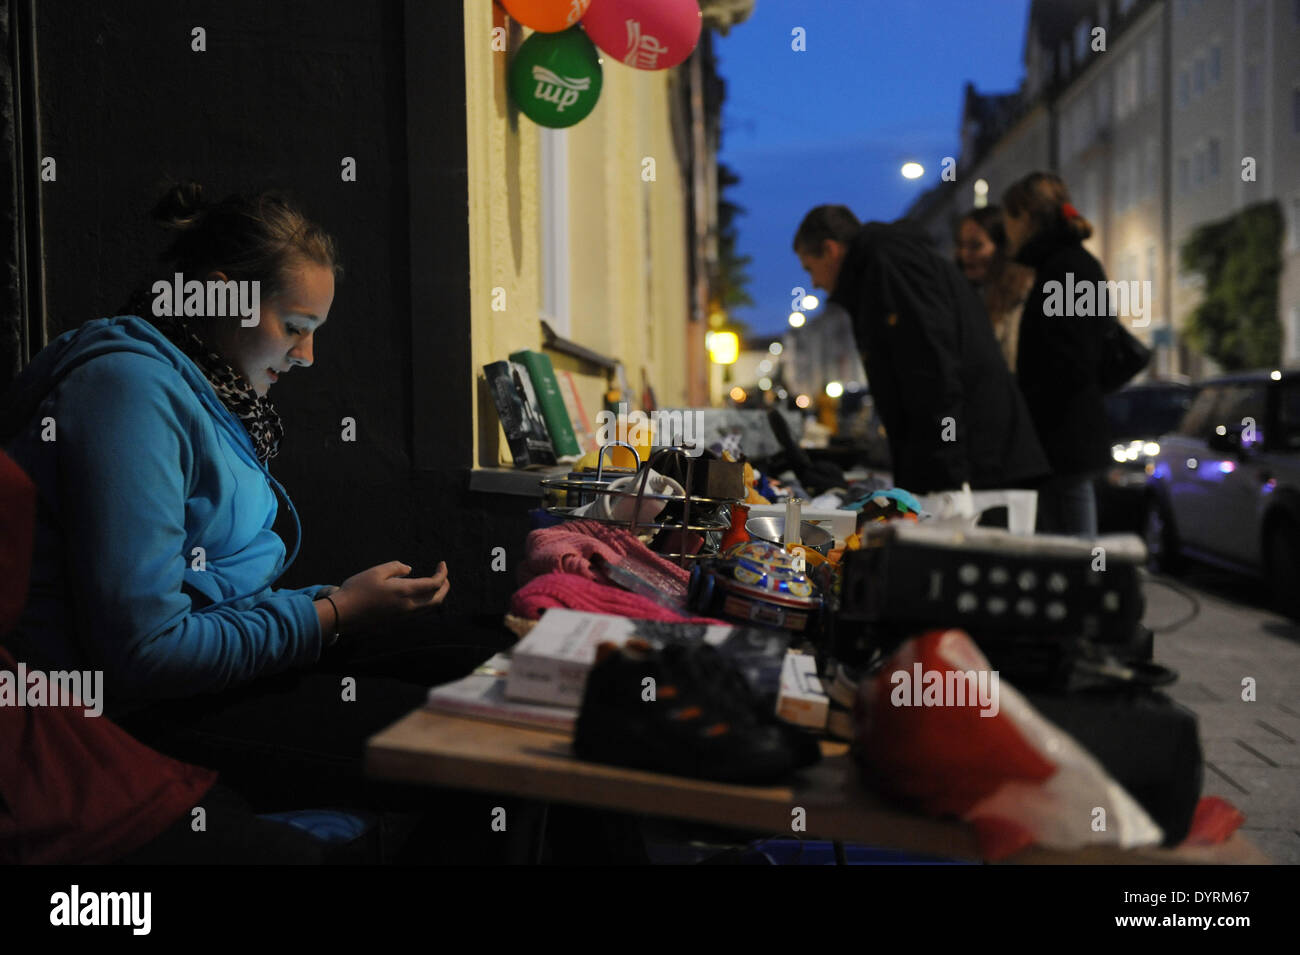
550 664
802 700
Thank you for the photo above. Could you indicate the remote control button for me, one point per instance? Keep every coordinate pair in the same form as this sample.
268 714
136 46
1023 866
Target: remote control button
968 574
1025 607
997 605
967 602
1057 583
1056 610
1028 580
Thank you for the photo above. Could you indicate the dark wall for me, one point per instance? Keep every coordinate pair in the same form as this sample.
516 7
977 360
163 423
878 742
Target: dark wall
284 91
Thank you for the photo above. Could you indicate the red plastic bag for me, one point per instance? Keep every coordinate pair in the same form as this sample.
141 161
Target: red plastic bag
938 729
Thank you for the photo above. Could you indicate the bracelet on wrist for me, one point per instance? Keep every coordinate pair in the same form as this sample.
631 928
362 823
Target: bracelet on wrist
338 631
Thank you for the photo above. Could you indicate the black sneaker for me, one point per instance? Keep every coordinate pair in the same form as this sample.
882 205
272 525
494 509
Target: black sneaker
699 718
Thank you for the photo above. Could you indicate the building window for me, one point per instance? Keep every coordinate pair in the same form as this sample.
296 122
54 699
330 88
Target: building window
1151 79
1082 34
1198 167
554 171
1121 184
1212 159
1149 167
1151 276
1295 111
1126 5
1198 77
1254 92
1215 66
1295 224
1102 103
1184 88
1184 178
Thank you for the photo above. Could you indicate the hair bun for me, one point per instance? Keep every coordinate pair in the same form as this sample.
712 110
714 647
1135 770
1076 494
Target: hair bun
180 206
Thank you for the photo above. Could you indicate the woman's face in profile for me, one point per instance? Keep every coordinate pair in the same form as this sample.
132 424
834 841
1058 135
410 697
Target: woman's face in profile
975 251
285 335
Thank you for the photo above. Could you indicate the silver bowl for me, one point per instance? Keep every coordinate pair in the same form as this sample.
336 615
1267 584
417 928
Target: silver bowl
771 528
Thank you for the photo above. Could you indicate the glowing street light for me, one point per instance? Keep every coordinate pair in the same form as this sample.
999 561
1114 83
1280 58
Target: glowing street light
765 384
810 302
797 319
724 347
776 348
803 401
738 394
913 170
834 389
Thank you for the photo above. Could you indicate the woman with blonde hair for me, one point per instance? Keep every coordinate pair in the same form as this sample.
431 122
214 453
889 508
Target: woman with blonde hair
1003 284
1059 355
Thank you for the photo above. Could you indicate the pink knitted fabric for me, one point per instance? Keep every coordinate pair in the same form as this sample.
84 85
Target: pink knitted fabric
578 593
569 548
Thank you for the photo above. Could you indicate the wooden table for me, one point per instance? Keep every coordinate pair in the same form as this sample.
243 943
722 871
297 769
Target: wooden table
439 750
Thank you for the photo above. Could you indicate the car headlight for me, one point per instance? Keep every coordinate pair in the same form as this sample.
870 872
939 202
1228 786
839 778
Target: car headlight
1119 453
1151 449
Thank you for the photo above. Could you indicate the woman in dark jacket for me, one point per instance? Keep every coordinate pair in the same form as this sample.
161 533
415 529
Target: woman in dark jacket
1060 347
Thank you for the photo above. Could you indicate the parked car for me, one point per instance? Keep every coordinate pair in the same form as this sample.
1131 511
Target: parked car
1225 486
1139 415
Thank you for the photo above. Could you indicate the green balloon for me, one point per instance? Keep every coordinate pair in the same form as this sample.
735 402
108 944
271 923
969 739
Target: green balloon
555 77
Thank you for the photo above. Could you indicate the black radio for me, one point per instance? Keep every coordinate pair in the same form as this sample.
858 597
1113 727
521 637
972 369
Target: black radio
1033 604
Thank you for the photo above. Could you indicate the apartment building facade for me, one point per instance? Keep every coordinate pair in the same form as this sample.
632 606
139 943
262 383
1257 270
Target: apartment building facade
1188 112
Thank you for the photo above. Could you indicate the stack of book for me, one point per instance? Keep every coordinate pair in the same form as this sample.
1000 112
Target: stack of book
540 410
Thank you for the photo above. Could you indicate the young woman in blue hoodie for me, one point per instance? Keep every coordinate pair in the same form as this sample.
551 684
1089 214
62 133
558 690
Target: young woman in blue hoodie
148 436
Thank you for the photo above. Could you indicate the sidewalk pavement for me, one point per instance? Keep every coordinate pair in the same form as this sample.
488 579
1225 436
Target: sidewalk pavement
1252 749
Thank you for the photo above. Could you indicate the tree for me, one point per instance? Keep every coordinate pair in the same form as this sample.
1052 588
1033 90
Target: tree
731 283
1240 258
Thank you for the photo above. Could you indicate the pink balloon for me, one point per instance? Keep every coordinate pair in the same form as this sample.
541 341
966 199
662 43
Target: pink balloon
646 34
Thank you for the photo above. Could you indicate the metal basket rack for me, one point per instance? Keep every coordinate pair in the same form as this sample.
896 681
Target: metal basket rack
587 491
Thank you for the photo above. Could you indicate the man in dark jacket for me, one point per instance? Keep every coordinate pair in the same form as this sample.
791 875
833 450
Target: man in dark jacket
949 404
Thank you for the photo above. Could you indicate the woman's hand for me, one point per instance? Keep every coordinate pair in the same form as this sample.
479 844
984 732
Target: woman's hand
384 592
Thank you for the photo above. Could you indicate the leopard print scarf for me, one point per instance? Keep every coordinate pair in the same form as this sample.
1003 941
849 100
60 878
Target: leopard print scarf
255 412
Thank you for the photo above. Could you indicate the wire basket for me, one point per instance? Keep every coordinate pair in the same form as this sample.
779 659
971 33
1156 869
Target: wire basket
590 490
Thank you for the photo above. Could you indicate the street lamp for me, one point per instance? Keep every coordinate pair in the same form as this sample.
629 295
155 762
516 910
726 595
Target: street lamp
913 170
724 347
797 319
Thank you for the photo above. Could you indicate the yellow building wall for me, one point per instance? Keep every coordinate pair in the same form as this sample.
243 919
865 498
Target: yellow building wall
629 295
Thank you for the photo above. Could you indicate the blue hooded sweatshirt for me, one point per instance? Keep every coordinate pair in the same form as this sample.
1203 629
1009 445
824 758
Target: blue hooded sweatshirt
138 464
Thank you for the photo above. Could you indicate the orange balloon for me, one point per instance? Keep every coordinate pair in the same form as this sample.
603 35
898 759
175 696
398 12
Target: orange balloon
546 16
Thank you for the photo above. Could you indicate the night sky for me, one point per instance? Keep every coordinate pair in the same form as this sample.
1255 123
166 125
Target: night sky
880 83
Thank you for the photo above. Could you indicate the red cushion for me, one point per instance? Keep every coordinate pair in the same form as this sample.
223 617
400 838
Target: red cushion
75 788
